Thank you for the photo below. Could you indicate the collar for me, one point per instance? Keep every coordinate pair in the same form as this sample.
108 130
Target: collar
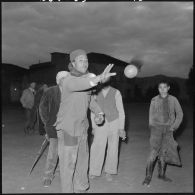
32 89
163 98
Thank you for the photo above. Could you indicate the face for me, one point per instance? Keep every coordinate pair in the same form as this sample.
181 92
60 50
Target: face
33 85
45 87
163 89
81 63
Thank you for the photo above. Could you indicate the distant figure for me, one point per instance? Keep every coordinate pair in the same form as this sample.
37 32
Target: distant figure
48 109
110 101
165 116
27 101
38 97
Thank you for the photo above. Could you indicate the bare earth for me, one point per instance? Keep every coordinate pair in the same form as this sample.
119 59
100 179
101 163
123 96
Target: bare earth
19 152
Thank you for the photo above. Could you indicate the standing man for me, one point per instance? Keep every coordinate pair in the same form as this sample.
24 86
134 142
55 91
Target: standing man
110 101
27 101
165 116
48 109
72 123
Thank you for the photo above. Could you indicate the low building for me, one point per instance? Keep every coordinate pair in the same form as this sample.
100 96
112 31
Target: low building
14 80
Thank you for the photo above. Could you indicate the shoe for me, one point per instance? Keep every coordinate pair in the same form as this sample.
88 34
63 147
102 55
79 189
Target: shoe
147 181
92 176
164 178
108 177
47 182
81 189
149 172
161 171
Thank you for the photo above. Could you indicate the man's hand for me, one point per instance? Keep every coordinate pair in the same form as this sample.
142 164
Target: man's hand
93 131
106 74
172 129
122 134
47 137
99 118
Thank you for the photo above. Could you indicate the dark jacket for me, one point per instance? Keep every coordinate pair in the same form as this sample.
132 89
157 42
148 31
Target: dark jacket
175 112
48 109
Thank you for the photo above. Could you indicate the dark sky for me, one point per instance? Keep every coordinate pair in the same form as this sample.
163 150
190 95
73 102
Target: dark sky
159 33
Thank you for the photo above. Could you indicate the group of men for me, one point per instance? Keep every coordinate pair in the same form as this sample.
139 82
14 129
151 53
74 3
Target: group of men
63 110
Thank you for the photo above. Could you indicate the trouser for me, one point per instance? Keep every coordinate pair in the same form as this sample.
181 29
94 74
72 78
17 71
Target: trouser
73 161
108 133
30 119
52 158
160 137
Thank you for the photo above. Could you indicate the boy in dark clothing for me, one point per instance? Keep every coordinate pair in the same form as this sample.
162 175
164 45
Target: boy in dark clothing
165 116
48 109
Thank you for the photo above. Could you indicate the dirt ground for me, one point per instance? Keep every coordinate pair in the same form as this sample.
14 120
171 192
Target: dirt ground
19 152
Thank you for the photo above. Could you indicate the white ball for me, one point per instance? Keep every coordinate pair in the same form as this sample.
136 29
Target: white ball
22 188
130 71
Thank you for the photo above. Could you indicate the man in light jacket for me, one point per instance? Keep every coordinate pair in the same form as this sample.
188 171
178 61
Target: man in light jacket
27 101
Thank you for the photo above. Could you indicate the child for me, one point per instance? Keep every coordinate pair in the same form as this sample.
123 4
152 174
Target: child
165 116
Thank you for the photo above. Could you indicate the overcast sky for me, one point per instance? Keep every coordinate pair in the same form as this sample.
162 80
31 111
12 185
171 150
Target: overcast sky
159 33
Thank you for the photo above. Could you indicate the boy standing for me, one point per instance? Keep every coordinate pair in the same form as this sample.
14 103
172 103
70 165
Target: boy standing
165 116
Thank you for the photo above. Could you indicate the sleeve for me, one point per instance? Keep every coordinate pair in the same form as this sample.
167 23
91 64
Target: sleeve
44 108
92 115
80 84
120 108
23 98
179 114
94 107
151 112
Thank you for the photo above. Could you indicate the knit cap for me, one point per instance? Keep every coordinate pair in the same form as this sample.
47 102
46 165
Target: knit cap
76 53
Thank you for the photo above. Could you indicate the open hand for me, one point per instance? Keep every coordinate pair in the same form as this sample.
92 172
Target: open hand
107 74
47 137
122 134
99 119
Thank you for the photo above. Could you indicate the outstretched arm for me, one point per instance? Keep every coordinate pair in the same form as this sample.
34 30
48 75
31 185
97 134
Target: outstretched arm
80 84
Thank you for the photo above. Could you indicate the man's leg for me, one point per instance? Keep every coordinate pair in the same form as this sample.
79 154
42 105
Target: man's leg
33 118
97 151
111 162
51 162
167 142
162 169
155 145
27 122
81 181
67 160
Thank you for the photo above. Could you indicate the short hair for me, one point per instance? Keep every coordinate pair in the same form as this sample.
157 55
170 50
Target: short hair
164 81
